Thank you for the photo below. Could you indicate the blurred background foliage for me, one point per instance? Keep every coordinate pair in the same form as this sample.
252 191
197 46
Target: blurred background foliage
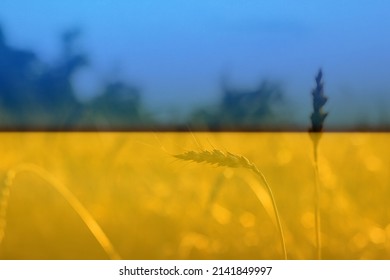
38 95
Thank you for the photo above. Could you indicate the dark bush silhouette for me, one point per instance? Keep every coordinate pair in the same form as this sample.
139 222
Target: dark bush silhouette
118 107
34 94
238 109
18 70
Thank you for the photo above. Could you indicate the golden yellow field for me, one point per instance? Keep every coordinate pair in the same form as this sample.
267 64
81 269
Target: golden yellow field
58 190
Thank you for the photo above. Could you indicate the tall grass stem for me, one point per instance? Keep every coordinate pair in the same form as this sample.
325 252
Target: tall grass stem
76 205
317 203
227 159
280 229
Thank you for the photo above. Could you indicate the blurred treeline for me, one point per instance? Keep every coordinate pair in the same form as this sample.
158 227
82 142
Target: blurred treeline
36 95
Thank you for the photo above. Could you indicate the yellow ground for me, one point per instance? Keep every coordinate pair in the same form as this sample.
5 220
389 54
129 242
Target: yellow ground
153 206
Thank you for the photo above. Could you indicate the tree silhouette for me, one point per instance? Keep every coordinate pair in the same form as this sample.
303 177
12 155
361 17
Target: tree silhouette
17 76
240 108
55 92
34 94
118 107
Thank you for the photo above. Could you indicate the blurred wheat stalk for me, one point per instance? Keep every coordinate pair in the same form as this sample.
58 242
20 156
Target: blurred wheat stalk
76 205
4 195
317 122
227 159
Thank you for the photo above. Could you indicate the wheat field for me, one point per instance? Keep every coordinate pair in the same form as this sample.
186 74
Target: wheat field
63 193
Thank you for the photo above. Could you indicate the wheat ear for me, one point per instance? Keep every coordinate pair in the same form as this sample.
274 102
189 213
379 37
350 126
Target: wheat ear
227 159
317 121
77 206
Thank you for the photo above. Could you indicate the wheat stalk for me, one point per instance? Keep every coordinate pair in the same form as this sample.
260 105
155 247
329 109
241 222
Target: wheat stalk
317 121
4 196
227 159
76 205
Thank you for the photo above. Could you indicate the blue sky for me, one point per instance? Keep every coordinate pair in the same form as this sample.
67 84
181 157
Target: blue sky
177 51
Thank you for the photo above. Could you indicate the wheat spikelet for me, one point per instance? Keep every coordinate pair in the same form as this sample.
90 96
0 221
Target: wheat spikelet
319 100
227 159
217 157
